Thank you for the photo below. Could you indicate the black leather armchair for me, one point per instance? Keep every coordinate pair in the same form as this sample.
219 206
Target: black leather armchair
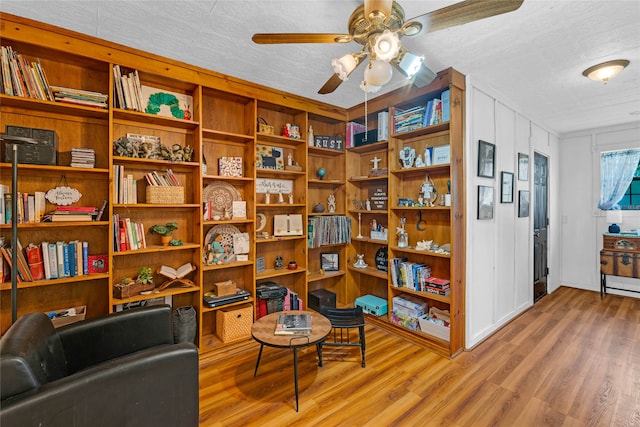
118 370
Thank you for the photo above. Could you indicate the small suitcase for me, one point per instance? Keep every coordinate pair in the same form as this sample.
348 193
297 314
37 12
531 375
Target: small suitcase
615 263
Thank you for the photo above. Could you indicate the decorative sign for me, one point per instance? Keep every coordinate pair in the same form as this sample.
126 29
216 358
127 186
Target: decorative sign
63 196
328 142
269 157
382 259
378 198
274 186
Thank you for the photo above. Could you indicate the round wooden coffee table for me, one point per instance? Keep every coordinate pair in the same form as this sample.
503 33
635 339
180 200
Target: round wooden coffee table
263 332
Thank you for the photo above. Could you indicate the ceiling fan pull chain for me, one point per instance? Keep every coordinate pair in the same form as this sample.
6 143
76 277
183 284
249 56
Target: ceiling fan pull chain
366 118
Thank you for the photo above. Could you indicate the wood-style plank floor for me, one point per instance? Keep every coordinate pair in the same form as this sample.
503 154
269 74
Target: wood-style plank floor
571 360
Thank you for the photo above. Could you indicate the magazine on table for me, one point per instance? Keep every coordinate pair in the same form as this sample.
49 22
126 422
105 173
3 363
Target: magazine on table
293 324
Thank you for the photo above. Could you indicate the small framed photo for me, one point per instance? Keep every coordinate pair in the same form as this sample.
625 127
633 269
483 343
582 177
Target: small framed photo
485 202
523 167
330 261
486 159
523 203
506 194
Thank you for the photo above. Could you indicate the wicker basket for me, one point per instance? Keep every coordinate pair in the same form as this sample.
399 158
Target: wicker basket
263 127
166 195
234 323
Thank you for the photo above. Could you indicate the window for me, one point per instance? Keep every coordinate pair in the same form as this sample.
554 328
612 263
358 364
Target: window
618 170
631 198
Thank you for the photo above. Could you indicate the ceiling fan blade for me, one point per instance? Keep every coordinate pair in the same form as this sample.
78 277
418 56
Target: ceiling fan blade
462 13
277 38
331 84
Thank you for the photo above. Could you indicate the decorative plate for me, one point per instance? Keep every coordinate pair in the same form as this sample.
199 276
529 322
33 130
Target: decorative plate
222 195
226 232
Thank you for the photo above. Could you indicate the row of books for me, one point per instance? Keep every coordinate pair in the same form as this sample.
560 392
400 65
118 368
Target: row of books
49 260
416 276
291 301
23 78
127 90
167 178
436 110
328 230
125 186
83 157
127 235
31 207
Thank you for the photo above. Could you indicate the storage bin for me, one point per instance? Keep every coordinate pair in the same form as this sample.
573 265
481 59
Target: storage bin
81 312
166 195
234 323
431 328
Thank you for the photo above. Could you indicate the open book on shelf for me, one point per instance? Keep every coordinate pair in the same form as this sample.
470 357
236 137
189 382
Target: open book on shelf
176 275
293 324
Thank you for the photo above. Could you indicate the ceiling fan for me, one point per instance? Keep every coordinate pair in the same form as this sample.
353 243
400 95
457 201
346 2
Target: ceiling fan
378 25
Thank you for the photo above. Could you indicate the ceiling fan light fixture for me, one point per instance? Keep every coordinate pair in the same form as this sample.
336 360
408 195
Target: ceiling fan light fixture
409 64
344 66
386 46
606 70
378 73
367 88
375 9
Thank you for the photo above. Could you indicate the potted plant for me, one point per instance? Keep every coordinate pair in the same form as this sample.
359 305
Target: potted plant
129 287
164 231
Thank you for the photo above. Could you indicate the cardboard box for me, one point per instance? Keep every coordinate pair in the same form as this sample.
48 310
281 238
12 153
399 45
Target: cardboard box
80 313
228 287
431 328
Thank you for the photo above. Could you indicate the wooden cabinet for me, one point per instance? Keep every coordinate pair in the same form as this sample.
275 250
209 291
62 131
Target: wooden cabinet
423 219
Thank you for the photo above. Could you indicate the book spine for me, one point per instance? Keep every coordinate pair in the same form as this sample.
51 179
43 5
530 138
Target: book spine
70 259
35 262
44 248
85 257
53 260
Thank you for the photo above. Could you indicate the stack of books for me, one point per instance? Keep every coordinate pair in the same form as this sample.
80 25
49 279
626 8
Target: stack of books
408 120
83 157
72 213
293 324
79 97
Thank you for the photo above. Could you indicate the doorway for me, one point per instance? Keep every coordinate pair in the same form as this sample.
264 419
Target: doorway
540 224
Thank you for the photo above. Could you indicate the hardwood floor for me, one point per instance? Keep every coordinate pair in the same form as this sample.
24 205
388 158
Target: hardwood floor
571 360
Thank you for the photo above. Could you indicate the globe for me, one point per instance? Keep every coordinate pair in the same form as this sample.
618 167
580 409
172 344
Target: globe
321 173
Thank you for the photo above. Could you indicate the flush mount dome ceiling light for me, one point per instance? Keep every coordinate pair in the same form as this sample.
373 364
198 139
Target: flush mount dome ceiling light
606 70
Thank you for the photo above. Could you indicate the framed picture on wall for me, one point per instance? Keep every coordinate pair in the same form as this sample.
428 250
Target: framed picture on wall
523 203
506 193
523 167
486 159
485 202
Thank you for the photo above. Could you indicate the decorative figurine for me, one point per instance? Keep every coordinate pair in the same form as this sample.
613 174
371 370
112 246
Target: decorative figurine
360 262
267 197
407 157
278 262
419 162
375 162
403 238
280 197
359 236
290 198
310 138
331 202
289 159
368 205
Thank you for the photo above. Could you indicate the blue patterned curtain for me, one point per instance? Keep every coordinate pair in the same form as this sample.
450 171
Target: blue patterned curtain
616 172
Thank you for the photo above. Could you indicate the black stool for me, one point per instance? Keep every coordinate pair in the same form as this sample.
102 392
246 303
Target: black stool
343 319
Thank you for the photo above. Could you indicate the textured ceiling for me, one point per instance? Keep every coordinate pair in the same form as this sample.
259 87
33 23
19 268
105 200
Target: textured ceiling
534 56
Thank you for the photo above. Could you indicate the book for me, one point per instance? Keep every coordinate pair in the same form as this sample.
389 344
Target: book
176 273
53 260
293 324
35 261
